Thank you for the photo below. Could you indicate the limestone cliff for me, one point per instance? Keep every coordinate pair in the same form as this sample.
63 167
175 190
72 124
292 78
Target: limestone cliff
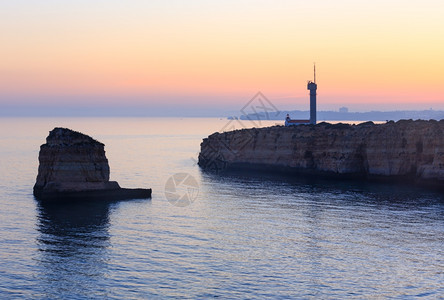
405 150
74 165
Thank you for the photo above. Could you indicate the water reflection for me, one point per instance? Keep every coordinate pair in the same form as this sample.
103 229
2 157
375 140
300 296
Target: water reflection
73 243
331 191
327 235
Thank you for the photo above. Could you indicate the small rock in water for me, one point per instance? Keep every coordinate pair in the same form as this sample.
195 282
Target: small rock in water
73 166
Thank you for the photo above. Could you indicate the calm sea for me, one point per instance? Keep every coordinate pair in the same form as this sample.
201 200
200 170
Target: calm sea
242 236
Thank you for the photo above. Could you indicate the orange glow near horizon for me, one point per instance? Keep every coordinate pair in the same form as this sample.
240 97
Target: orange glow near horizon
386 51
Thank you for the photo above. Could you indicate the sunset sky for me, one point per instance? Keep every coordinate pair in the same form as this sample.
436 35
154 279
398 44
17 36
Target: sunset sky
201 55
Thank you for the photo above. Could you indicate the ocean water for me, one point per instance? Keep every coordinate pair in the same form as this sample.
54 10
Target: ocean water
241 236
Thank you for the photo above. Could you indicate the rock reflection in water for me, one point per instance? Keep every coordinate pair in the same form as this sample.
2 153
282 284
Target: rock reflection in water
73 242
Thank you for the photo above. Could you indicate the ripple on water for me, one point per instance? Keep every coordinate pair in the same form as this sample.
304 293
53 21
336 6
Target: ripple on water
246 236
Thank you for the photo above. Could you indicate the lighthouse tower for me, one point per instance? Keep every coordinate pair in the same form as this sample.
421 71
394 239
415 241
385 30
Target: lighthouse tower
312 86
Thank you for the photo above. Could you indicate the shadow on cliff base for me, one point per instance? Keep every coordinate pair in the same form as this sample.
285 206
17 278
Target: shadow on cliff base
107 195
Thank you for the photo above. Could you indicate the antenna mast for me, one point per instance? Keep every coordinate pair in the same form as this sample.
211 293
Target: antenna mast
314 71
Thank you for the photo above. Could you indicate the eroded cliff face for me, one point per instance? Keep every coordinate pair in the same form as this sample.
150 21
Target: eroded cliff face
72 161
74 165
406 149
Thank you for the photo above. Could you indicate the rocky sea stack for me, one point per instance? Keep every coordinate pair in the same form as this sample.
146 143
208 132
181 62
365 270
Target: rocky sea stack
407 151
73 166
